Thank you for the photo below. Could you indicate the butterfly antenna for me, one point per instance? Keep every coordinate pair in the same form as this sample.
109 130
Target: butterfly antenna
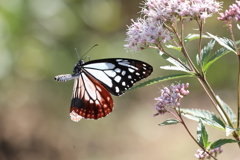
88 50
77 53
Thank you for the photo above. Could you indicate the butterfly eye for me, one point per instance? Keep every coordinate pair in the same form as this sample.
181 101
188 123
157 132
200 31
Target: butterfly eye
77 67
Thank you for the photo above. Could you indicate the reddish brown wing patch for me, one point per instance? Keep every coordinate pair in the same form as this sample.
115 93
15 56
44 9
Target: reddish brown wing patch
90 99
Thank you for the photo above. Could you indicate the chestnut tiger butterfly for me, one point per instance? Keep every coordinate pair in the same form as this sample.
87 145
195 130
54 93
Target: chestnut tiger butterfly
95 80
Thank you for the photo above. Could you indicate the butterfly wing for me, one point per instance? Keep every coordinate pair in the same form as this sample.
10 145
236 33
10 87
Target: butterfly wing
90 99
116 74
95 80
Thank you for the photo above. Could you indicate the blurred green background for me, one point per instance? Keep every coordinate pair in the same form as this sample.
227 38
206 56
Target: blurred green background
37 42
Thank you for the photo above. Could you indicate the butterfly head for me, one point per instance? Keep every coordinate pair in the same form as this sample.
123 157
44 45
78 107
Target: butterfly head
77 68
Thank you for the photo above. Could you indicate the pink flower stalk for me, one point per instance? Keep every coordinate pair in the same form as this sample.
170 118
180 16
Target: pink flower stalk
203 155
170 97
157 14
232 14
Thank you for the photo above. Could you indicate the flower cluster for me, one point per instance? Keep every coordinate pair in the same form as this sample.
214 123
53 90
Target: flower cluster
203 155
144 32
170 10
159 15
170 97
232 14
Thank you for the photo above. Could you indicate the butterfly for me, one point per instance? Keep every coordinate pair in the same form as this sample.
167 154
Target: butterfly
96 80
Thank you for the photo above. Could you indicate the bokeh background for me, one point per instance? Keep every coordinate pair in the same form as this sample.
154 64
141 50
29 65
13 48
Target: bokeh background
37 42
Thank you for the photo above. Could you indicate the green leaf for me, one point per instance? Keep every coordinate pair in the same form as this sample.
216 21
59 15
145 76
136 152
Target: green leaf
175 68
174 47
229 130
169 122
191 37
206 117
205 52
225 42
220 53
202 135
221 142
228 110
237 42
178 63
238 26
161 79
198 60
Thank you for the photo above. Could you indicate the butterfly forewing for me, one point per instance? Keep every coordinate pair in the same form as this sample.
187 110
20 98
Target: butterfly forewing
118 75
90 99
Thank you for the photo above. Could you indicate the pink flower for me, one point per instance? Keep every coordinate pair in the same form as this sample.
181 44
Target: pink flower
170 97
170 10
144 32
232 14
203 155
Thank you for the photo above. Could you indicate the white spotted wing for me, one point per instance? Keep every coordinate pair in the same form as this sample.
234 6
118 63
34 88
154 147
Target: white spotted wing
95 80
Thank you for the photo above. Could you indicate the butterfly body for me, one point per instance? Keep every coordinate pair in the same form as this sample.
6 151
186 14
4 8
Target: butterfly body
95 80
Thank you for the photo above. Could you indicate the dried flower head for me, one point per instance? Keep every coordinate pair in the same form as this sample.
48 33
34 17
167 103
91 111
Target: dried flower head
170 97
232 14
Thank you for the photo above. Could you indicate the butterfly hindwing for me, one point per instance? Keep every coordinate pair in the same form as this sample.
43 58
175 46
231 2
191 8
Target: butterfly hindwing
90 99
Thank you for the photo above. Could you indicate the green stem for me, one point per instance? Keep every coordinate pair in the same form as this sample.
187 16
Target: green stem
184 51
201 77
158 44
208 88
235 134
200 25
238 94
217 105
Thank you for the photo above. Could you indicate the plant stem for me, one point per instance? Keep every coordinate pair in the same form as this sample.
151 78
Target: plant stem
190 134
238 94
217 105
238 54
200 25
162 50
207 87
184 51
